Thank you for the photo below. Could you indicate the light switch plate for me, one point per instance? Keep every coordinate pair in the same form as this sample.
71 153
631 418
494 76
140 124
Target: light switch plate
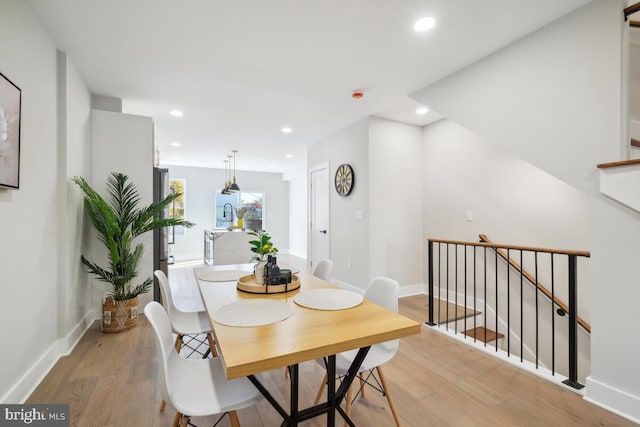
359 215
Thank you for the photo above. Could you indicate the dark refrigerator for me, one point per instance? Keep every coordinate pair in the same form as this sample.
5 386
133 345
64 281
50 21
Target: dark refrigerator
160 236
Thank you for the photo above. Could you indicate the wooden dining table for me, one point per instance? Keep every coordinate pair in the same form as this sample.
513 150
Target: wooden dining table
307 334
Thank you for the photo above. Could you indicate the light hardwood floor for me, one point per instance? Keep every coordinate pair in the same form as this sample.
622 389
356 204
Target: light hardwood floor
112 380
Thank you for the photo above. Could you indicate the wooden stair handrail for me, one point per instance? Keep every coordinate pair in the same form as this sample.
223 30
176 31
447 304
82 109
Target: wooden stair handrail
635 142
586 254
634 24
619 163
532 279
630 10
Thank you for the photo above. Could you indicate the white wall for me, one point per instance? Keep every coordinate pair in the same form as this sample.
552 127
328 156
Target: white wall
554 99
395 203
202 184
512 202
634 130
74 150
298 215
123 143
43 312
349 238
615 375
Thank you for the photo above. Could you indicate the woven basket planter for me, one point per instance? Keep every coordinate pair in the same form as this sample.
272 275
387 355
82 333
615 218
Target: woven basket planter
119 315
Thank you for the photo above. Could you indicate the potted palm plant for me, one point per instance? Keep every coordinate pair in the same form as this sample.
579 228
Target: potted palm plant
118 221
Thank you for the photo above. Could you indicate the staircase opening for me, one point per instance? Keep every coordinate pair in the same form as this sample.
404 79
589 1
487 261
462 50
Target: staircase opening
508 308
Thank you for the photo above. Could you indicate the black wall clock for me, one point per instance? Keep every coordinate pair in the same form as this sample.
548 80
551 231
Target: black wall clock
344 180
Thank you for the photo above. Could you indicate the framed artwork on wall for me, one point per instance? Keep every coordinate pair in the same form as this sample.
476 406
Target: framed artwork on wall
10 99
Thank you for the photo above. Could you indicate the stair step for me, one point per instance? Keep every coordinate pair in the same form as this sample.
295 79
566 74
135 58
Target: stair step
445 312
479 334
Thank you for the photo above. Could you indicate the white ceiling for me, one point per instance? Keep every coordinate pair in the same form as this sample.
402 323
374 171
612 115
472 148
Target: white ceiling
240 70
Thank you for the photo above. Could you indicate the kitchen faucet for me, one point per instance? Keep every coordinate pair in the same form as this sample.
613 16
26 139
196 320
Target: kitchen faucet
224 212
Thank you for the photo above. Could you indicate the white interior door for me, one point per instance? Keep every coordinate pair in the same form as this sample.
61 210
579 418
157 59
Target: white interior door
319 215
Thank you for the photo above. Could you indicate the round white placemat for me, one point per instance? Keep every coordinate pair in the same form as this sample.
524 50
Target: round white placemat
252 312
220 275
328 299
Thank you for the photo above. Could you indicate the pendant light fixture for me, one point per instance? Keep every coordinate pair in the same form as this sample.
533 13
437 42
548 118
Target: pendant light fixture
234 188
225 189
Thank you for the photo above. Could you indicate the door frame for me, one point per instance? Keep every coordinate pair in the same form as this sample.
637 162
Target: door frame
311 171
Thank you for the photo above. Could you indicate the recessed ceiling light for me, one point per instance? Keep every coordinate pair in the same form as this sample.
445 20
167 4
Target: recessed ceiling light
287 129
176 144
289 156
424 24
175 157
422 110
176 113
271 165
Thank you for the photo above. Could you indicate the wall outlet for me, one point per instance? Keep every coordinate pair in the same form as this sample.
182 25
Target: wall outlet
469 216
349 265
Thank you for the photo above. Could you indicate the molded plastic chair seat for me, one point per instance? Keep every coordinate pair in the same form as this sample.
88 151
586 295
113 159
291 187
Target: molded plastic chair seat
189 323
199 387
382 291
196 387
183 322
323 269
376 356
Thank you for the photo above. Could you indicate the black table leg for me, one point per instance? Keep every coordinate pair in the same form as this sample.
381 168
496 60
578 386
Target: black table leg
270 399
334 398
331 390
293 375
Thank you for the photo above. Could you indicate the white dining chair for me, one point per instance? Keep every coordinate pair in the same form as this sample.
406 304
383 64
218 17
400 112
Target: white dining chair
196 387
384 292
323 269
183 322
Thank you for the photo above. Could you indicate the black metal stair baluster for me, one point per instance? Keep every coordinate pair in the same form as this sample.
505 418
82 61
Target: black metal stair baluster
475 320
484 311
430 318
553 321
521 309
496 324
447 296
439 281
573 325
455 295
465 289
536 271
508 306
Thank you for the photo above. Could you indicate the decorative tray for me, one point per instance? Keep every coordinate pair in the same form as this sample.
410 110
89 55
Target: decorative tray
248 284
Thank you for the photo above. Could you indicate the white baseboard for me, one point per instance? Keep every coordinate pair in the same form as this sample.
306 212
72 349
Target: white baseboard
187 257
347 286
409 290
23 388
613 400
